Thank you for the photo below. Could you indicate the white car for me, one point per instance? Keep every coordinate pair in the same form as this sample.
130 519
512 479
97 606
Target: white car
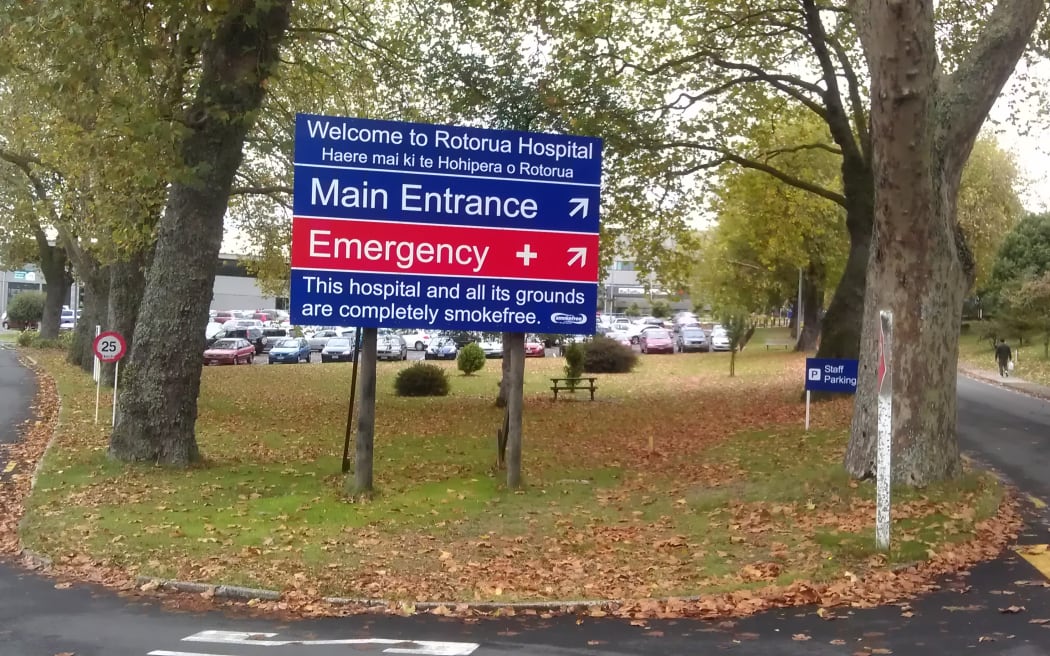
493 348
418 340
719 340
319 339
3 321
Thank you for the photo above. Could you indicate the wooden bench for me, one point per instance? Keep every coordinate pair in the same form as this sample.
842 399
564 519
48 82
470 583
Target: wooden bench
778 343
573 384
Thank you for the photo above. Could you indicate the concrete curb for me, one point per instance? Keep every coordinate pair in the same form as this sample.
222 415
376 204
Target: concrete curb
226 591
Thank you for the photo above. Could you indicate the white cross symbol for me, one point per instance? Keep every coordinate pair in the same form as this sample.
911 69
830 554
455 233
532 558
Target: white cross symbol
526 255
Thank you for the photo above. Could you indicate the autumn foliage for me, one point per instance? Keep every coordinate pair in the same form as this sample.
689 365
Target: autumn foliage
607 356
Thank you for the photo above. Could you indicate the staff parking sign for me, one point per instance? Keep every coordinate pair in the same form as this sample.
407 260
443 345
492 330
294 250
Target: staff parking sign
407 225
831 375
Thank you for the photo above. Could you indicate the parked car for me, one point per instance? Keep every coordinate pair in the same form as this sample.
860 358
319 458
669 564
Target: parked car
231 350
320 338
442 348
3 321
222 316
493 348
692 338
534 347
274 335
417 340
719 340
390 346
291 350
338 349
657 341
253 335
244 323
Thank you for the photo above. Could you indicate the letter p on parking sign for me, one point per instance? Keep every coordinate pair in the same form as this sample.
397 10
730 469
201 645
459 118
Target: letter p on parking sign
813 374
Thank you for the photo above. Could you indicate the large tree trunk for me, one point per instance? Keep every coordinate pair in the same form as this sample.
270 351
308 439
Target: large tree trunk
127 284
515 402
842 323
54 266
364 445
158 402
94 291
504 382
812 304
923 127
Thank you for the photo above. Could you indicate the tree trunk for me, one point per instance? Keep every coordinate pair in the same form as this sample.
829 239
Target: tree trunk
54 266
515 402
842 323
793 320
94 290
812 304
732 363
158 402
923 125
366 413
504 382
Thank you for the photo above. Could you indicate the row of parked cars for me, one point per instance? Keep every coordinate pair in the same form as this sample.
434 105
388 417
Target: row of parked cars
682 334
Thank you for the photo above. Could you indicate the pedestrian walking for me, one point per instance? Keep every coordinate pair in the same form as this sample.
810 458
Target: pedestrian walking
1003 356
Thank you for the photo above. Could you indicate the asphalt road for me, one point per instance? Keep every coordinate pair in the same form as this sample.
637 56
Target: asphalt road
1008 431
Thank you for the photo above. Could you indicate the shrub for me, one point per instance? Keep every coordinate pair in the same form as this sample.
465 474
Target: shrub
421 379
26 308
574 356
607 356
63 341
470 359
27 337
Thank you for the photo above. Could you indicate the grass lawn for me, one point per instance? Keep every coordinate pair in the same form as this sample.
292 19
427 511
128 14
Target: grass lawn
9 336
736 495
1030 361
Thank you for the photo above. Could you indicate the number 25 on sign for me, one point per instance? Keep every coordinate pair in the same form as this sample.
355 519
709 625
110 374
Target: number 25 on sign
109 346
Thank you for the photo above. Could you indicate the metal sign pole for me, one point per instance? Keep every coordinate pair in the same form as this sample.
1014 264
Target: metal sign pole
98 391
884 464
808 393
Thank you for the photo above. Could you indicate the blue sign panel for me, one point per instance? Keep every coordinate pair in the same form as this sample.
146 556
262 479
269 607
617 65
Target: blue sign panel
411 225
831 375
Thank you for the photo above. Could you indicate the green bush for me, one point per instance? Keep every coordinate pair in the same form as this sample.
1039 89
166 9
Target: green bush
574 355
608 356
470 359
26 308
421 379
27 337
64 341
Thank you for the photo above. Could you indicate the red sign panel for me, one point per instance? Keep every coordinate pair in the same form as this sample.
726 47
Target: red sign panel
110 346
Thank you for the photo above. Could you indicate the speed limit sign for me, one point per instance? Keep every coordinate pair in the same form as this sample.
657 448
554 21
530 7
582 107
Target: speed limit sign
110 346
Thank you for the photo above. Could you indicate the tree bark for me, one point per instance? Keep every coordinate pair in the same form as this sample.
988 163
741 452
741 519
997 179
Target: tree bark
842 323
504 382
515 403
158 402
127 285
923 127
812 304
56 273
366 413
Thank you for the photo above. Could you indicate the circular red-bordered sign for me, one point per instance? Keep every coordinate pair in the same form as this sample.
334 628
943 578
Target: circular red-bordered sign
109 346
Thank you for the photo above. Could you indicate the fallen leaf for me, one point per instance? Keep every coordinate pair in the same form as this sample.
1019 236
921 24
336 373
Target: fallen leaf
800 637
907 613
838 642
65 585
595 642
1011 609
150 586
881 650
1036 549
971 607
1040 621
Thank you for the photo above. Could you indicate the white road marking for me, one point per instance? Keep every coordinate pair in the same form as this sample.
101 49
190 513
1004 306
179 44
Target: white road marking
414 647
164 652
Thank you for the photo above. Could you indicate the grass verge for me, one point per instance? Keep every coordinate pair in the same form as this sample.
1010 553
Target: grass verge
735 497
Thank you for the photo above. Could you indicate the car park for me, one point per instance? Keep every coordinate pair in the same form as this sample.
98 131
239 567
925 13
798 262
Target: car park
318 339
534 347
232 350
719 339
493 347
253 335
338 349
442 348
273 335
290 350
390 346
222 316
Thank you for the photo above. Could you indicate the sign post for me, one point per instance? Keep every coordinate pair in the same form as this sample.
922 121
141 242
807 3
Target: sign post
829 375
109 347
884 447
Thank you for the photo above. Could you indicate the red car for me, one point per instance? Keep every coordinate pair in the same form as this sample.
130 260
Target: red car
534 347
230 351
656 340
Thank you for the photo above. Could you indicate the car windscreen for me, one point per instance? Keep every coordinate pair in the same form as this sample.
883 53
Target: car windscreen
338 342
656 334
225 344
288 343
692 332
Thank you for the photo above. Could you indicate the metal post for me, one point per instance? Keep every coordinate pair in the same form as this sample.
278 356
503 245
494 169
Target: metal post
96 371
807 409
884 461
353 395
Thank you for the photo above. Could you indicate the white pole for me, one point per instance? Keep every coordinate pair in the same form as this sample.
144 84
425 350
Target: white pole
807 409
116 372
97 371
98 392
884 460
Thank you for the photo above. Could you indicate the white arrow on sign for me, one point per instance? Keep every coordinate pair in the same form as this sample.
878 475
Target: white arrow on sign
580 204
415 647
580 255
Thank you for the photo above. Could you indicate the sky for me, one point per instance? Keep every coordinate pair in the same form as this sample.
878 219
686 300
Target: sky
1019 125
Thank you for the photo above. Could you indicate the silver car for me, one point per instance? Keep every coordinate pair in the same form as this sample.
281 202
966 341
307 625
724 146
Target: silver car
391 346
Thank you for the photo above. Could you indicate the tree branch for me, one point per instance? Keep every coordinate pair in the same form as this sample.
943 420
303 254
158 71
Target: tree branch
770 154
725 156
967 95
260 190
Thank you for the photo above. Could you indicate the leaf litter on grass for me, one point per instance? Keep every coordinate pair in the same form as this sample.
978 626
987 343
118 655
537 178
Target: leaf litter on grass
736 503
